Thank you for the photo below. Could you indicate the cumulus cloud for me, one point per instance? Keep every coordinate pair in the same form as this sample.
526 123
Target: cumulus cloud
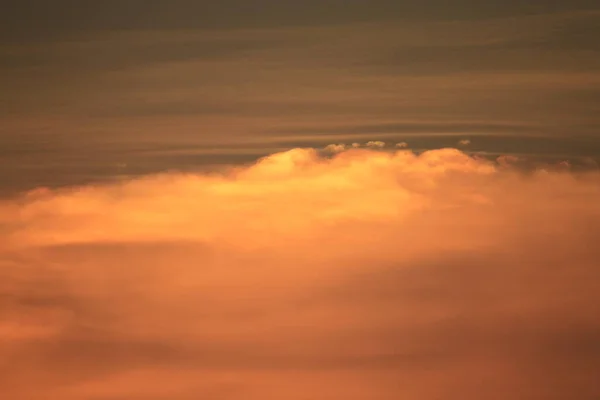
464 142
402 145
507 160
335 148
376 144
368 275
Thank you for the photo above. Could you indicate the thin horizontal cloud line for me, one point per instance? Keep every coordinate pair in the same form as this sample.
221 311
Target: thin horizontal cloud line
397 134
417 127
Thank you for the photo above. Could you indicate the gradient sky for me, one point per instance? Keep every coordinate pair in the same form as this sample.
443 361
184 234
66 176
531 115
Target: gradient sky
92 90
299 200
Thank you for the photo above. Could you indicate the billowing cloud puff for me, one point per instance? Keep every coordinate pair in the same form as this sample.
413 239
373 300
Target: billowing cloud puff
464 142
507 160
376 144
335 148
402 145
368 275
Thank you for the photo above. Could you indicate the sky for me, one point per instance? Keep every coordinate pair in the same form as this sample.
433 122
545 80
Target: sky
244 199
94 90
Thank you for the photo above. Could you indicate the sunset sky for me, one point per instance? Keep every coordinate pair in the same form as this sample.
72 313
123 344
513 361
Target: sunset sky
299 200
94 89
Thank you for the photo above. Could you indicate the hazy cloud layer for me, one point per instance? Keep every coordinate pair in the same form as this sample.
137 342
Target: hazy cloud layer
362 275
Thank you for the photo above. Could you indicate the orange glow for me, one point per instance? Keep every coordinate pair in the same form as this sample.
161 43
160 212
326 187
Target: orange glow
368 275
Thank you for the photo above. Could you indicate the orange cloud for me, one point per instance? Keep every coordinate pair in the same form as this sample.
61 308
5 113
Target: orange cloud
368 275
335 148
376 144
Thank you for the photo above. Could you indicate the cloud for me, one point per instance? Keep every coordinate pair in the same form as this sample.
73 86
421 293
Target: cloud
366 275
564 165
589 162
376 144
507 160
464 142
335 148
402 145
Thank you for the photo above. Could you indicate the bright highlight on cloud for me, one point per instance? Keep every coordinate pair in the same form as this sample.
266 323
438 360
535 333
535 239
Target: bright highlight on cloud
376 144
366 275
335 148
